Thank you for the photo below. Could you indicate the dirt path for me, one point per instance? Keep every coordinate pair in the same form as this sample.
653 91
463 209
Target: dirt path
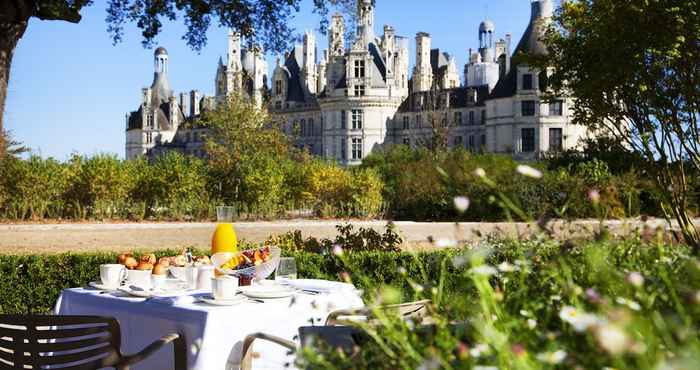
58 238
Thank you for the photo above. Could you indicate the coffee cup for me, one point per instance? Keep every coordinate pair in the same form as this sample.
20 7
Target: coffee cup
205 274
224 288
112 275
158 281
139 278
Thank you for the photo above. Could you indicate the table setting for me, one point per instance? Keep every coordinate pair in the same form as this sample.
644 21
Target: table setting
213 301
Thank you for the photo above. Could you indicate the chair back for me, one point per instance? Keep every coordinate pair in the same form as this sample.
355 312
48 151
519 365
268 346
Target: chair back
66 342
411 310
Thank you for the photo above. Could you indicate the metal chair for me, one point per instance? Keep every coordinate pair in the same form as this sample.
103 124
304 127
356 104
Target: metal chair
73 343
334 333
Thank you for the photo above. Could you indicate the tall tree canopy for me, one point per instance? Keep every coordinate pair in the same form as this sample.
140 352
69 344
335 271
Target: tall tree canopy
265 23
633 68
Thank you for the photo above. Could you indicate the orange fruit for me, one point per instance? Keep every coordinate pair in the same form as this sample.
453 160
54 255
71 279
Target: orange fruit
224 239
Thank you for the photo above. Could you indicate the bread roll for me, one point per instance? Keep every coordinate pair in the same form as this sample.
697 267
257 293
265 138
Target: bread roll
159 269
165 261
143 266
149 258
130 263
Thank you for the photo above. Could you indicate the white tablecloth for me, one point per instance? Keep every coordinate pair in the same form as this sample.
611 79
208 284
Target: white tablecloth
214 334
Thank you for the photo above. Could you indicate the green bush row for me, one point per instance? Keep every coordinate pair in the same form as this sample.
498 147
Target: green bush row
421 185
178 187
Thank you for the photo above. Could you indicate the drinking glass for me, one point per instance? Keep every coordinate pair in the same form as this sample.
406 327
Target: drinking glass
287 269
225 214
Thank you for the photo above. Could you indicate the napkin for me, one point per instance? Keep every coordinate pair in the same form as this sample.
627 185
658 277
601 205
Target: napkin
183 298
321 286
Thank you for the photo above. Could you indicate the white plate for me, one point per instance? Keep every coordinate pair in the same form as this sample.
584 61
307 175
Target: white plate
220 302
264 292
100 286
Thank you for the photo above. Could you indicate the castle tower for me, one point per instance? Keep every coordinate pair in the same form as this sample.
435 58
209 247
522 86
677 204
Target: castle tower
309 63
486 45
423 72
234 70
336 36
161 86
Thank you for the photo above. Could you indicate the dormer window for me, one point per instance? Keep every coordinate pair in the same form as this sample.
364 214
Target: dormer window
359 69
359 90
278 87
149 121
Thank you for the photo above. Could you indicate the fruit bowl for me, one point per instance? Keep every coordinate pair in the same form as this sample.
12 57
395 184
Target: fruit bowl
249 267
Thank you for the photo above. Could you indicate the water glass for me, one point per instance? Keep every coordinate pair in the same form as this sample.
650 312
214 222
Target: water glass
225 213
287 269
191 272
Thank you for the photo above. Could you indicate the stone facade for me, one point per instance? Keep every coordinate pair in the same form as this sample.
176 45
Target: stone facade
358 97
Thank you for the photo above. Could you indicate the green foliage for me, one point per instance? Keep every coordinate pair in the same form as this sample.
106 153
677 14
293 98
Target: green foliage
422 185
504 304
348 240
636 85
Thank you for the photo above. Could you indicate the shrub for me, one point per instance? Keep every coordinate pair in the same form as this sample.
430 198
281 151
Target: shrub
349 240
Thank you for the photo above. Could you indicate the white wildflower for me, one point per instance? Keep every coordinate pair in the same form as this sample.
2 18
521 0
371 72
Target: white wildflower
531 323
555 297
580 320
612 339
402 270
594 196
484 270
507 267
479 350
480 173
529 171
337 250
525 313
632 305
552 358
446 243
459 261
636 279
461 204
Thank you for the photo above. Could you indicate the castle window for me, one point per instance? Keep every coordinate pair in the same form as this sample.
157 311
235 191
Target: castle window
458 141
527 82
407 141
278 105
471 117
357 117
527 108
453 84
343 120
359 90
458 119
483 143
483 117
471 145
556 108
527 137
303 128
419 121
311 127
556 140
149 121
356 148
343 149
278 87
406 123
359 69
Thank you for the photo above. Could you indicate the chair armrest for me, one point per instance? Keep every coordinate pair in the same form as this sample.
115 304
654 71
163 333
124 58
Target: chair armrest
247 355
179 347
333 317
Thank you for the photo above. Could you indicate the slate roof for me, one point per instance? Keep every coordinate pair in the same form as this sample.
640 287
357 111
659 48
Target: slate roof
459 98
295 91
530 44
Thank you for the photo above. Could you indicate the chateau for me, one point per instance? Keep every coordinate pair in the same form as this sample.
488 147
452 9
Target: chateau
355 98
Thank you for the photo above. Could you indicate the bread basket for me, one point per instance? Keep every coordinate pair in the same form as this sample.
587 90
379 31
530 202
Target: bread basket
261 271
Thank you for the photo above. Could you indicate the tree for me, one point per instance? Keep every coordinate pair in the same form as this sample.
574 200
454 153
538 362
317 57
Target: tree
263 23
246 154
632 67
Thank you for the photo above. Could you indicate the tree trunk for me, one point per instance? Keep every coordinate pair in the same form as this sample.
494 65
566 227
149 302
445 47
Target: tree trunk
10 33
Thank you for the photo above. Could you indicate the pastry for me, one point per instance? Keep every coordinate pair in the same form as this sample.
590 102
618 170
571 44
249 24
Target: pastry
160 269
144 266
130 262
165 261
149 258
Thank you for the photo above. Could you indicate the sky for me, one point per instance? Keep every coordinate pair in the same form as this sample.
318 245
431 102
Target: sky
70 87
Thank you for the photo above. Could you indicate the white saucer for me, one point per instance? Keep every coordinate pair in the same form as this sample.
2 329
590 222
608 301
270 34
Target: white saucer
99 286
141 293
266 292
220 302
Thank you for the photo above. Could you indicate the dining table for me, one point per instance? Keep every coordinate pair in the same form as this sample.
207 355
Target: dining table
214 334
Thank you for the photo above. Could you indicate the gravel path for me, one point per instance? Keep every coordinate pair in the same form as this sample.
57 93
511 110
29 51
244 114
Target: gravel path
58 238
